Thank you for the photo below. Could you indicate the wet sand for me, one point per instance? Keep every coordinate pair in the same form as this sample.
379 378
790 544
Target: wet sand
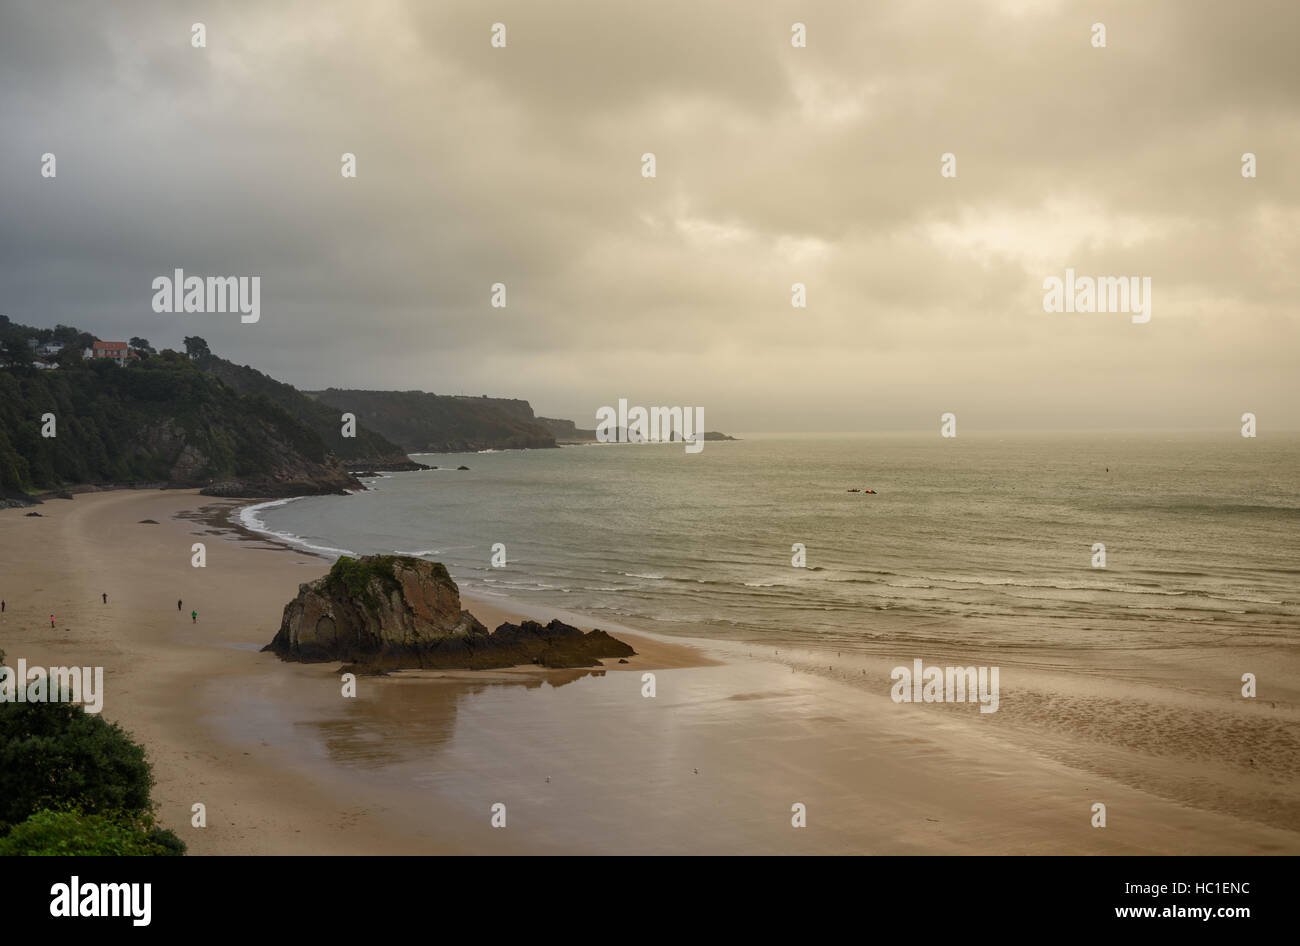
583 762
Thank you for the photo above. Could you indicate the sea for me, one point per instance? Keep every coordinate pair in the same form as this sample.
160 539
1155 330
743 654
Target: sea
986 538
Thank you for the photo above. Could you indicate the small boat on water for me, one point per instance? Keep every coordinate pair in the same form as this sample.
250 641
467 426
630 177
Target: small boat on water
871 491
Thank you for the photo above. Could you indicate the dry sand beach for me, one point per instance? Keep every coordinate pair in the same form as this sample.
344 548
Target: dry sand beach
735 735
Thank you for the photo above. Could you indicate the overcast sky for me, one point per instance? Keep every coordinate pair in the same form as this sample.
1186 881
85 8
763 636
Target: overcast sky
775 165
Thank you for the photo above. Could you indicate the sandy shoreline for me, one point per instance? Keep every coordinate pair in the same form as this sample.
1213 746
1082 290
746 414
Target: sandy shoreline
164 676
735 735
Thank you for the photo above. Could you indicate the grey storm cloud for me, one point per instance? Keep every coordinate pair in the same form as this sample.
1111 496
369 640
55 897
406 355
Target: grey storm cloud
776 165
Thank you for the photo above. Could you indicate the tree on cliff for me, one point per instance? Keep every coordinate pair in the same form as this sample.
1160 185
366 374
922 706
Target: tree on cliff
196 347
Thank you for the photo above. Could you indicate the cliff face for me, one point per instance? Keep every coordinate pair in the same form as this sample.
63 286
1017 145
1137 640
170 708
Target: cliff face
439 423
368 450
566 431
385 612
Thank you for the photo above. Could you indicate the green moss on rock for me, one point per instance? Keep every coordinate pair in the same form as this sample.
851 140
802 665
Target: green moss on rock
353 577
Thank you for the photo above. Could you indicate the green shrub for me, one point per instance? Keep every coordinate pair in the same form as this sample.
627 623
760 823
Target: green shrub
55 755
354 576
166 840
61 833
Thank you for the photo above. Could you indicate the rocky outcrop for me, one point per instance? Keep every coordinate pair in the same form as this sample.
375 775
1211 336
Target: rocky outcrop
554 645
284 484
387 612
372 466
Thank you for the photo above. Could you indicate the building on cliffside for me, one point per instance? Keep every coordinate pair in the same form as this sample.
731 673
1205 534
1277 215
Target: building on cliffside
116 351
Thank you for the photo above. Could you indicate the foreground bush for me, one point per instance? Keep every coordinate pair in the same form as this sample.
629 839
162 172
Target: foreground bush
58 833
55 755
73 783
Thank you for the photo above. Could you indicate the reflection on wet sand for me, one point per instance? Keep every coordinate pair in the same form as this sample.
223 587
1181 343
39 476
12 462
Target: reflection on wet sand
584 763
417 709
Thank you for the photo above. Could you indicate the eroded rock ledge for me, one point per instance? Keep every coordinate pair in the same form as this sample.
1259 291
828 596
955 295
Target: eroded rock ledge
390 612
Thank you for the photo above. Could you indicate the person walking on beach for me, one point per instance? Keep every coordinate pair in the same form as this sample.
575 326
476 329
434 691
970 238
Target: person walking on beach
178 604
105 597
194 617
2 607
51 622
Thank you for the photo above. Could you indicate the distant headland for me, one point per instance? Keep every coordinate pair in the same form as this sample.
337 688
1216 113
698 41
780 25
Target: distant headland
78 412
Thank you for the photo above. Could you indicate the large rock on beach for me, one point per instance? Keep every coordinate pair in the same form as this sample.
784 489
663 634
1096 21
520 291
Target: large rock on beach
389 612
